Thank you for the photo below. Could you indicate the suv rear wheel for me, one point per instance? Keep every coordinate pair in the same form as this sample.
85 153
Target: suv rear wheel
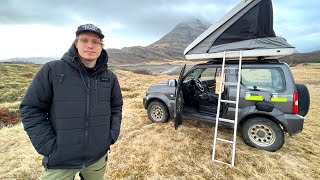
157 112
262 133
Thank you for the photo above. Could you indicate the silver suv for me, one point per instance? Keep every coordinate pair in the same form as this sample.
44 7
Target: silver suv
270 104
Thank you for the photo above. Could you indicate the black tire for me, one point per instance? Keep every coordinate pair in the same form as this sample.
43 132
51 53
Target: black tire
157 112
262 133
303 99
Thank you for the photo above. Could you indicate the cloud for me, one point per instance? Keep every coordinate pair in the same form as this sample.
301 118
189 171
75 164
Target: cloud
296 21
307 42
149 17
34 40
145 21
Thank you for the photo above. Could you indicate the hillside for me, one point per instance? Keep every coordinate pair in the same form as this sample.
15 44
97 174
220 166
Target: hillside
174 43
298 58
147 150
14 79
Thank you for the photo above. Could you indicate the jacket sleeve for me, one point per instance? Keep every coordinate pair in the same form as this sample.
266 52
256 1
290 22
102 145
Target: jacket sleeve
116 110
34 110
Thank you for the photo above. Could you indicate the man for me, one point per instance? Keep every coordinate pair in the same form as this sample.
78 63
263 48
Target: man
72 109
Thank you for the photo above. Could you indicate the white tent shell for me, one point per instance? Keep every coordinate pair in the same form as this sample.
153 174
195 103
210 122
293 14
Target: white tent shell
266 45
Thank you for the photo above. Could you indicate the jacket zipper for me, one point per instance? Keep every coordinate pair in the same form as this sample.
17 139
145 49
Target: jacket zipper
96 88
87 116
96 85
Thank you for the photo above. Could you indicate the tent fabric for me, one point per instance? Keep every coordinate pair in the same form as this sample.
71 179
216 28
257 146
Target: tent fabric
248 26
260 43
255 23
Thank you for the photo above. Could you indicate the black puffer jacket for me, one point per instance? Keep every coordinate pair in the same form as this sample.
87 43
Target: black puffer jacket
72 117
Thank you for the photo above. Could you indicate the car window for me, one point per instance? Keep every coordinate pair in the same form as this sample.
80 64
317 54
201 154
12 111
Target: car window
193 75
208 74
263 79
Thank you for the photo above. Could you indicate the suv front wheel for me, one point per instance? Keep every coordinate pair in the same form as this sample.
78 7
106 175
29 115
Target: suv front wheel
262 133
157 112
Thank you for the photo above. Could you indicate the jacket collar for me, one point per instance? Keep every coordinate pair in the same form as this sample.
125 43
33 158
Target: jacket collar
72 57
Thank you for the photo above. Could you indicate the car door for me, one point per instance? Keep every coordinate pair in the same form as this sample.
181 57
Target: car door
179 101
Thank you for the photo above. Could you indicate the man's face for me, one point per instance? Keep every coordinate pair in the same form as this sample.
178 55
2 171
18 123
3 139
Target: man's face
89 46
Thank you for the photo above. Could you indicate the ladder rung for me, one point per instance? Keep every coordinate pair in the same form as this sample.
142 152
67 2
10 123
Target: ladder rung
230 83
226 120
222 162
224 140
228 101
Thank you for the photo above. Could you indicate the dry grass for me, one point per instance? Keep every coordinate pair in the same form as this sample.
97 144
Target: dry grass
157 151
14 80
8 118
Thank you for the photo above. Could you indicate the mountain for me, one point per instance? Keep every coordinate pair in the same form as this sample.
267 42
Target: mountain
296 58
169 47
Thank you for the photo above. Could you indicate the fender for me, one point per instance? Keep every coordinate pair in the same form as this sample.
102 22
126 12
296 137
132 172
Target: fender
170 103
251 111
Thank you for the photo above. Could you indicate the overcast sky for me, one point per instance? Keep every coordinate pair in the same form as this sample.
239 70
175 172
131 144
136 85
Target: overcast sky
34 28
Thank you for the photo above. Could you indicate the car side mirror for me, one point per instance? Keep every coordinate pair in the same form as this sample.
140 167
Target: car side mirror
172 83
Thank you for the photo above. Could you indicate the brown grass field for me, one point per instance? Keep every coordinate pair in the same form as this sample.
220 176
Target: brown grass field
146 150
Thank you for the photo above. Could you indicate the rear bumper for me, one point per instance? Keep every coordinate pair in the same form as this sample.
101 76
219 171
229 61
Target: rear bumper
293 123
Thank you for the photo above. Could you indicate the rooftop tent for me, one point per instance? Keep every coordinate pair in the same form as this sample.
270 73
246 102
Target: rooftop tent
247 27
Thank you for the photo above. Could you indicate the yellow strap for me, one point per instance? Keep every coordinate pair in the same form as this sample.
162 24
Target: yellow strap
279 99
254 98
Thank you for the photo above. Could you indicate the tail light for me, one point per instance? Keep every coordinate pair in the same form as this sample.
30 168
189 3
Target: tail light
295 103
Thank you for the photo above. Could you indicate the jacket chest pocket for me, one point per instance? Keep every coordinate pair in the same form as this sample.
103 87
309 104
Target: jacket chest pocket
68 87
104 89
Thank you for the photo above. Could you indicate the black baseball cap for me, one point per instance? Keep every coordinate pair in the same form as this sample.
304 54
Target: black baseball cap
89 28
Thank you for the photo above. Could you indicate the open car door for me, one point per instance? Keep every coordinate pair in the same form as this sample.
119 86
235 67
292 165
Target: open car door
179 101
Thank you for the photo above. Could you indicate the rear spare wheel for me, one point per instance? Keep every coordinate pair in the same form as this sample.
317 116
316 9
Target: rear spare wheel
303 99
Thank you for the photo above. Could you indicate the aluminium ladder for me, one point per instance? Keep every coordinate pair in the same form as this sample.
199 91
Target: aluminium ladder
235 121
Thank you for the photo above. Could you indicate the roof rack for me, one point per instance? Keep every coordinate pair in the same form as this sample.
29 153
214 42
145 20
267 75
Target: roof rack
260 61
